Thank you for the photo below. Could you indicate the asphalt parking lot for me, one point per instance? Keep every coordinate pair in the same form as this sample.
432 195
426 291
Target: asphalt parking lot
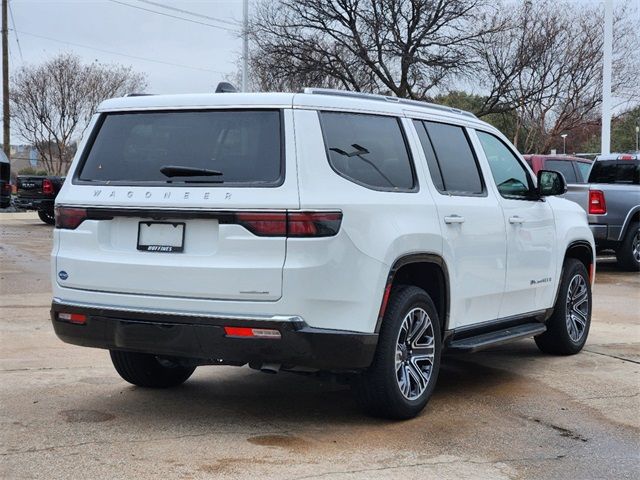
509 412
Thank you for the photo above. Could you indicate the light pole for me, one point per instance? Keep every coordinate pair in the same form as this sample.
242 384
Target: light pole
637 133
564 143
245 45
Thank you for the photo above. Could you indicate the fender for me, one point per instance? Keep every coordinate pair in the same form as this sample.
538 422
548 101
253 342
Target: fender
417 258
591 270
627 221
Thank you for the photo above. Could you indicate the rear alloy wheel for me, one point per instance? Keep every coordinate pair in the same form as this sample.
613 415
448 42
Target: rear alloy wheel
403 375
47 217
628 254
568 327
146 370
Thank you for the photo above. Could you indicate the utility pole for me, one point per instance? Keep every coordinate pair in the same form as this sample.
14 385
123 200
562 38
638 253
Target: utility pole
245 43
6 136
605 146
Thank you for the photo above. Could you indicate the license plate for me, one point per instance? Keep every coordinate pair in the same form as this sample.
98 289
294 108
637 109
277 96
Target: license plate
161 237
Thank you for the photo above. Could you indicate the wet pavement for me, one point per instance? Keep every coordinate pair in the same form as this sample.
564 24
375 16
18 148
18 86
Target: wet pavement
508 412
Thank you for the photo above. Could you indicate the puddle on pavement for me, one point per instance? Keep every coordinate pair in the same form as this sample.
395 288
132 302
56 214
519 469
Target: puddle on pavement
86 416
282 441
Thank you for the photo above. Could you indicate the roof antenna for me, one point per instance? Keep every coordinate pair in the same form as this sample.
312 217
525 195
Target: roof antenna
226 87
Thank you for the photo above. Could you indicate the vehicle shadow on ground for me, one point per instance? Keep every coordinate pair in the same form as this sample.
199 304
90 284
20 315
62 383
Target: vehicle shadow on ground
245 397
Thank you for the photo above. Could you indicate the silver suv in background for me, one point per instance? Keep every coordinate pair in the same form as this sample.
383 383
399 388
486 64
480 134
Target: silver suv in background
612 200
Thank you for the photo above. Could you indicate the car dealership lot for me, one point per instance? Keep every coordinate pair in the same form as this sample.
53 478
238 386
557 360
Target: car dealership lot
508 412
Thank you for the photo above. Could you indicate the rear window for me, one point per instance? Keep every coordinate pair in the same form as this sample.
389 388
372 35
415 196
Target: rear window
243 147
584 168
615 171
565 167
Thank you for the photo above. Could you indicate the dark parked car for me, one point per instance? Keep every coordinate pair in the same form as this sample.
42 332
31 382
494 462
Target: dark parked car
39 193
574 169
5 184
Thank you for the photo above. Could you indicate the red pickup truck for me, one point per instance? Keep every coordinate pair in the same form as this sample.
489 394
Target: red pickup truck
574 169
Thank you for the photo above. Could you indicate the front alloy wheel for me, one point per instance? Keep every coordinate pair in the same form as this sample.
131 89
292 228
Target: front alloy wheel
568 326
577 307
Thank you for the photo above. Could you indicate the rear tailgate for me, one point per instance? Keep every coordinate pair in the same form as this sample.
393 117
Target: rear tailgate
29 186
149 234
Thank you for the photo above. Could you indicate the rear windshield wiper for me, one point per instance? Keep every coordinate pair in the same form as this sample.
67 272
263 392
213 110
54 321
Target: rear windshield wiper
179 171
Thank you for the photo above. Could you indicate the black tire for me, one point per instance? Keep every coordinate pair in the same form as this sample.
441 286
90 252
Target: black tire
145 370
378 388
563 335
628 254
47 217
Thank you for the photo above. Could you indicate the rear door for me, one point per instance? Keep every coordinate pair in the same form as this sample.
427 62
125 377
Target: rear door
210 227
531 237
472 223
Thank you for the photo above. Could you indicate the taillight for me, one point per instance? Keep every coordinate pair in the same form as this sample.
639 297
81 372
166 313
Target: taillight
625 157
264 224
69 217
47 187
313 224
597 205
291 224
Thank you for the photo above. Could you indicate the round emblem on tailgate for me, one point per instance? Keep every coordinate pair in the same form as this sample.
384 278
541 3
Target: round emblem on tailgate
63 275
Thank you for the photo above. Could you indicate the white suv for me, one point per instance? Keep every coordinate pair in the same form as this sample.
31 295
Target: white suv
320 231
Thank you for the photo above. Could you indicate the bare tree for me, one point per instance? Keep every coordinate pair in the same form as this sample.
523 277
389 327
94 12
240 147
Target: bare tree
547 67
52 103
403 47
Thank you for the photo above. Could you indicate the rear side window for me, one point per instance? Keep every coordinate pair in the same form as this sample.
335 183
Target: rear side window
369 150
564 167
452 164
615 171
243 146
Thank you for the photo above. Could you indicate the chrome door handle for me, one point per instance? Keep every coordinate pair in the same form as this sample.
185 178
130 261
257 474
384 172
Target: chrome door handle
454 219
516 220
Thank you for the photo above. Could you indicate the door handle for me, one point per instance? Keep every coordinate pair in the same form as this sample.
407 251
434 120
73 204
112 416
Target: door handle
516 220
454 219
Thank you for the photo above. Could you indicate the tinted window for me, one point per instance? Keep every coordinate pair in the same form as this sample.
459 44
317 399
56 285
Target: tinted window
614 171
432 162
564 167
368 149
458 170
509 174
131 148
583 169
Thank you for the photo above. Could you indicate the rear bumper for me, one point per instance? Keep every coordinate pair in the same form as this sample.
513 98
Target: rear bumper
203 338
34 203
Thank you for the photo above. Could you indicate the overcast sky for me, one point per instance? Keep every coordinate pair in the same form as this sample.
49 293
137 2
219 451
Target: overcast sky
190 53
196 56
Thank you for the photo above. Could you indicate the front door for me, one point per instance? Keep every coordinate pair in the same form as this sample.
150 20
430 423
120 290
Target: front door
531 236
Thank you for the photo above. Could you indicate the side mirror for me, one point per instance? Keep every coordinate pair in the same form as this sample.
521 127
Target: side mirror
551 183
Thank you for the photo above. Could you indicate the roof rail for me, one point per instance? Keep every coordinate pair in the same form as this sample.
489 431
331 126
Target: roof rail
139 94
385 98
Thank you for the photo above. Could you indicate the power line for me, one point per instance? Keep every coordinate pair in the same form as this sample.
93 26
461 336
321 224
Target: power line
13 22
188 12
172 16
144 59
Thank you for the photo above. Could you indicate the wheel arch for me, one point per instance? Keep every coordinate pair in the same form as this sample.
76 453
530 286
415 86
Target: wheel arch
427 271
632 216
